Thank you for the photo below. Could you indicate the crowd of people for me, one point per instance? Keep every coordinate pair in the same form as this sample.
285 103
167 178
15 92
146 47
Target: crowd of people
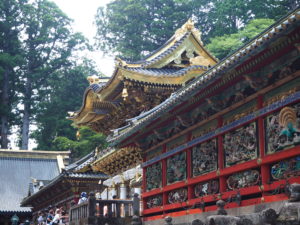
58 216
55 216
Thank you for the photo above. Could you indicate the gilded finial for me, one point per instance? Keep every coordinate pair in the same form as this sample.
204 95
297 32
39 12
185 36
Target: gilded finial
189 26
120 62
93 79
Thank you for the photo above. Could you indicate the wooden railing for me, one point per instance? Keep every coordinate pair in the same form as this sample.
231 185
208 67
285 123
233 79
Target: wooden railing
95 211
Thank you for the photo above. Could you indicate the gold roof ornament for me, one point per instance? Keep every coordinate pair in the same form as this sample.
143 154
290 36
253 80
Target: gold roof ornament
189 26
93 79
120 62
124 94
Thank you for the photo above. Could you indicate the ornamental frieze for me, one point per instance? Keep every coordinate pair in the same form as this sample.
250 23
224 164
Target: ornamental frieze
204 157
240 145
206 188
154 201
286 168
179 195
243 179
283 129
154 176
176 168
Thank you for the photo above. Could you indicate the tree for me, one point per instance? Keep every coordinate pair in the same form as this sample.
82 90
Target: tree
10 58
221 46
65 94
48 43
133 28
87 141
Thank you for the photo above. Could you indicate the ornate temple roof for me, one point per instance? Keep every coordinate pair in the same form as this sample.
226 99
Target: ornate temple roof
139 86
77 171
123 138
241 55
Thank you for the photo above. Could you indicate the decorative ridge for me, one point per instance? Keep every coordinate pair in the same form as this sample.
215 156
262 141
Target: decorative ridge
166 52
166 72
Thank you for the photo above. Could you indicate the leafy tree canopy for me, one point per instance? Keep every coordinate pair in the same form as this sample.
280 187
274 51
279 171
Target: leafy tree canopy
65 95
87 141
133 28
221 46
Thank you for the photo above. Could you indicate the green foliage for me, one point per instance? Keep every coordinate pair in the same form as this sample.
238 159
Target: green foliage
10 57
49 44
87 142
65 94
133 28
221 46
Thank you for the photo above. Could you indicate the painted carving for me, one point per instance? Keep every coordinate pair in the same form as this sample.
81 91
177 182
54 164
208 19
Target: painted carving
283 129
176 168
240 145
154 201
206 188
243 179
153 176
179 195
286 168
204 157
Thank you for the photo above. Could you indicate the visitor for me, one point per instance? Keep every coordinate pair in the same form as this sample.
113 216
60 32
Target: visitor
56 219
64 217
40 219
50 217
83 198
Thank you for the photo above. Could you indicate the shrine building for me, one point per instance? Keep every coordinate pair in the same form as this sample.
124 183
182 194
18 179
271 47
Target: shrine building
203 130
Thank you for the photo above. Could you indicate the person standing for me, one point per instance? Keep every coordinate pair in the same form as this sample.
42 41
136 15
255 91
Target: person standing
50 217
40 219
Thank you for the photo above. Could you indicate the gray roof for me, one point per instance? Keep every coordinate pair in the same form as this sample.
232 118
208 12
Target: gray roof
16 174
169 72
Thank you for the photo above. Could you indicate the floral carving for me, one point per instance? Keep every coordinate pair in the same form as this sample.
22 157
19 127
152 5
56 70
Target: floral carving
154 201
204 157
240 145
176 168
179 195
243 179
153 176
286 168
283 129
206 188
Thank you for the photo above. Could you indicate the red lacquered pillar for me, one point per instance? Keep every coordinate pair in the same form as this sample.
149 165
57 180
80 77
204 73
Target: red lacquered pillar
265 169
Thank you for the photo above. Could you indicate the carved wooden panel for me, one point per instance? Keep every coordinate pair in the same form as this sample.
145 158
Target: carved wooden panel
240 145
286 168
206 188
179 195
283 129
176 168
154 201
204 157
243 179
154 176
